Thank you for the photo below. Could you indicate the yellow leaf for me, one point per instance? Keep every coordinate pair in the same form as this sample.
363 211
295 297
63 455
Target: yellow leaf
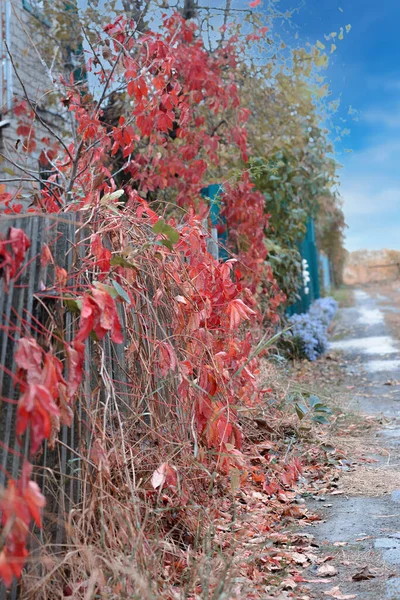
110 197
234 480
321 61
320 45
333 48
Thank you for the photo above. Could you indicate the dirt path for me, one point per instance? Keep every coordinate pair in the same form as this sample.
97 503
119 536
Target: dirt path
360 530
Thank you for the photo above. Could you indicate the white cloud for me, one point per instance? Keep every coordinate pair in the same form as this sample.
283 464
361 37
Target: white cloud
375 236
359 200
371 193
384 118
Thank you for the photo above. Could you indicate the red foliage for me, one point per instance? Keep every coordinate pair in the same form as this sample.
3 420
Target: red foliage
75 353
237 311
25 129
180 94
21 502
247 222
12 253
35 407
44 400
102 255
99 314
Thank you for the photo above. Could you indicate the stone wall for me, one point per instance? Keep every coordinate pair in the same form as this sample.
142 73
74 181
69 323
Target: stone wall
371 266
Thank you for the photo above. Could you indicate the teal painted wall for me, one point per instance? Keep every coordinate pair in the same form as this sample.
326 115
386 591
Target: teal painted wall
309 253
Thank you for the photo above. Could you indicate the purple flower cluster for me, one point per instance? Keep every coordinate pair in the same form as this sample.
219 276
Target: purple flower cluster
309 331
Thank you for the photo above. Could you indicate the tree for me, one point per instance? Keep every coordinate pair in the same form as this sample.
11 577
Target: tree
291 160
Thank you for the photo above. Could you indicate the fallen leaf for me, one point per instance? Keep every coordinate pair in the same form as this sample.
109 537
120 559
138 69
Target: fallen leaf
364 575
336 593
325 559
289 584
327 571
340 543
159 476
312 557
298 558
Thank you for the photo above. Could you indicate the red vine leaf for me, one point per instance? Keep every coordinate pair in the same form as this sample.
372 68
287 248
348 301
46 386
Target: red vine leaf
12 253
31 493
109 320
28 357
19 244
35 407
164 475
102 255
76 355
46 256
99 314
238 311
167 358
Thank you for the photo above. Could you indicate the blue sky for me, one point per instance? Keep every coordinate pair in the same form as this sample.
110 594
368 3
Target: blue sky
365 74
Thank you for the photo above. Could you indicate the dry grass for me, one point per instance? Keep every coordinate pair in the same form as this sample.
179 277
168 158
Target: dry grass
370 481
121 537
200 537
124 540
344 296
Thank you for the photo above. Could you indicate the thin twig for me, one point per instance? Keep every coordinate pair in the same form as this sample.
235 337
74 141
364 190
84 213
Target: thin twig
33 108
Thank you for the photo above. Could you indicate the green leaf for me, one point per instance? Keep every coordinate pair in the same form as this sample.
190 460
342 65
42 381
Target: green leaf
167 243
72 305
324 409
321 419
120 261
319 407
328 448
170 232
110 197
121 292
314 400
159 226
301 410
106 288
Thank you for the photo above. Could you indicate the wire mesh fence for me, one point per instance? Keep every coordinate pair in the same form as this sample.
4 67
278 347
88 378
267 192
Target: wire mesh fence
134 407
29 308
